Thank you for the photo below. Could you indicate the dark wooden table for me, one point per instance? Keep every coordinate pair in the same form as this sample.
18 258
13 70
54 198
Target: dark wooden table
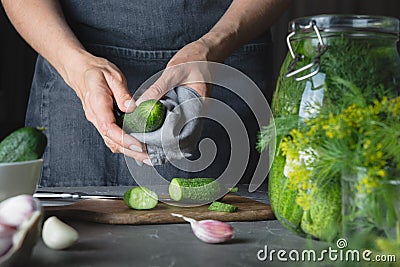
168 244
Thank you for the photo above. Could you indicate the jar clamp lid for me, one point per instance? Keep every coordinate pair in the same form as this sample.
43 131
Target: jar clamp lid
330 24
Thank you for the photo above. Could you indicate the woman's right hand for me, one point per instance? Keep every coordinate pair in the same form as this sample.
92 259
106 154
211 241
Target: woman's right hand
97 82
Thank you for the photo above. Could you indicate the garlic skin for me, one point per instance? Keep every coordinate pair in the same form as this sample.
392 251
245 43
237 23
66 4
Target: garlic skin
209 231
7 230
58 235
14 211
6 235
5 245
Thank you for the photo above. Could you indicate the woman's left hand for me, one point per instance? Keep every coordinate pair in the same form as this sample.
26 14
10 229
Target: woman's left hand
189 75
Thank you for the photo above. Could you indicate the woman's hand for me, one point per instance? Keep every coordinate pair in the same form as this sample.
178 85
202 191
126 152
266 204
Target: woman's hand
243 21
181 74
97 82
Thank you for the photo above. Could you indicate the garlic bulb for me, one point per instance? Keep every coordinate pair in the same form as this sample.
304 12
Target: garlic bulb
58 235
14 211
209 231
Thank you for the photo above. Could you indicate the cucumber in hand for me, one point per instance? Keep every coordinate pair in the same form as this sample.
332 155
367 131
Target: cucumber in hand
147 117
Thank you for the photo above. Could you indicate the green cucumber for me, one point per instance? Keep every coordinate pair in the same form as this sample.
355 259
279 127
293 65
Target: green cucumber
283 198
147 117
194 189
22 145
140 198
234 189
219 206
323 219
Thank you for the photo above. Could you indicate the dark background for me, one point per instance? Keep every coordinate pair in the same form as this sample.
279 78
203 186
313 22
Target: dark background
18 59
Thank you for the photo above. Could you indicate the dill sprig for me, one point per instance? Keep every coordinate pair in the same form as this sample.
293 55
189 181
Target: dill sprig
278 128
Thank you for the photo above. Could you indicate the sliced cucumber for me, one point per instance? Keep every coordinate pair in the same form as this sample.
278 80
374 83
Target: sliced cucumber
234 189
219 206
194 189
140 198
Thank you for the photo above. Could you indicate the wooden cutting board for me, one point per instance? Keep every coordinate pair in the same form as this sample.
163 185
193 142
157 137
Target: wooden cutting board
115 212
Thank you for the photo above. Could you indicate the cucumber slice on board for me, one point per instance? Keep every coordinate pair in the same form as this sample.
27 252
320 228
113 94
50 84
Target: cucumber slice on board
234 189
140 198
194 189
219 206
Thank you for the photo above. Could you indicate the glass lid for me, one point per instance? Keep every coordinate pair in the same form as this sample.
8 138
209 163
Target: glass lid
339 23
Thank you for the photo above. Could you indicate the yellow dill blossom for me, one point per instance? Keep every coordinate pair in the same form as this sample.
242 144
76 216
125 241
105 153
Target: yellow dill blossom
367 143
381 173
330 134
352 116
313 131
377 171
300 177
298 174
304 200
395 108
288 149
366 185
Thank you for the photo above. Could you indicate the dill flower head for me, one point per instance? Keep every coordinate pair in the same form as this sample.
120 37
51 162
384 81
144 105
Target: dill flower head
324 146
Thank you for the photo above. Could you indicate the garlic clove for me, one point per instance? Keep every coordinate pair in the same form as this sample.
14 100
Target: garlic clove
58 235
210 231
15 210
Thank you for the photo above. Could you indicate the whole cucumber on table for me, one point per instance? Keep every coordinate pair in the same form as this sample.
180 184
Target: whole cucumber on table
140 198
147 117
22 145
194 189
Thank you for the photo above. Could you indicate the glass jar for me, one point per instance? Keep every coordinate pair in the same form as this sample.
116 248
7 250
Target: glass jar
369 212
334 62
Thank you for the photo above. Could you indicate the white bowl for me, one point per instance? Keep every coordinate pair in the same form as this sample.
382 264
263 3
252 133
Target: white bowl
19 178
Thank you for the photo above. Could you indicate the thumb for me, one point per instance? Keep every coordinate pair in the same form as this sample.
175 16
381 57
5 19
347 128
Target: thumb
119 89
157 90
153 92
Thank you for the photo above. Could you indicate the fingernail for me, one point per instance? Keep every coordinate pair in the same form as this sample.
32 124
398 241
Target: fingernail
139 163
147 162
135 148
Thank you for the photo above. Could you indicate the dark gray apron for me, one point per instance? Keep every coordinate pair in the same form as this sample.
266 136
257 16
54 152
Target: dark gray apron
139 37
